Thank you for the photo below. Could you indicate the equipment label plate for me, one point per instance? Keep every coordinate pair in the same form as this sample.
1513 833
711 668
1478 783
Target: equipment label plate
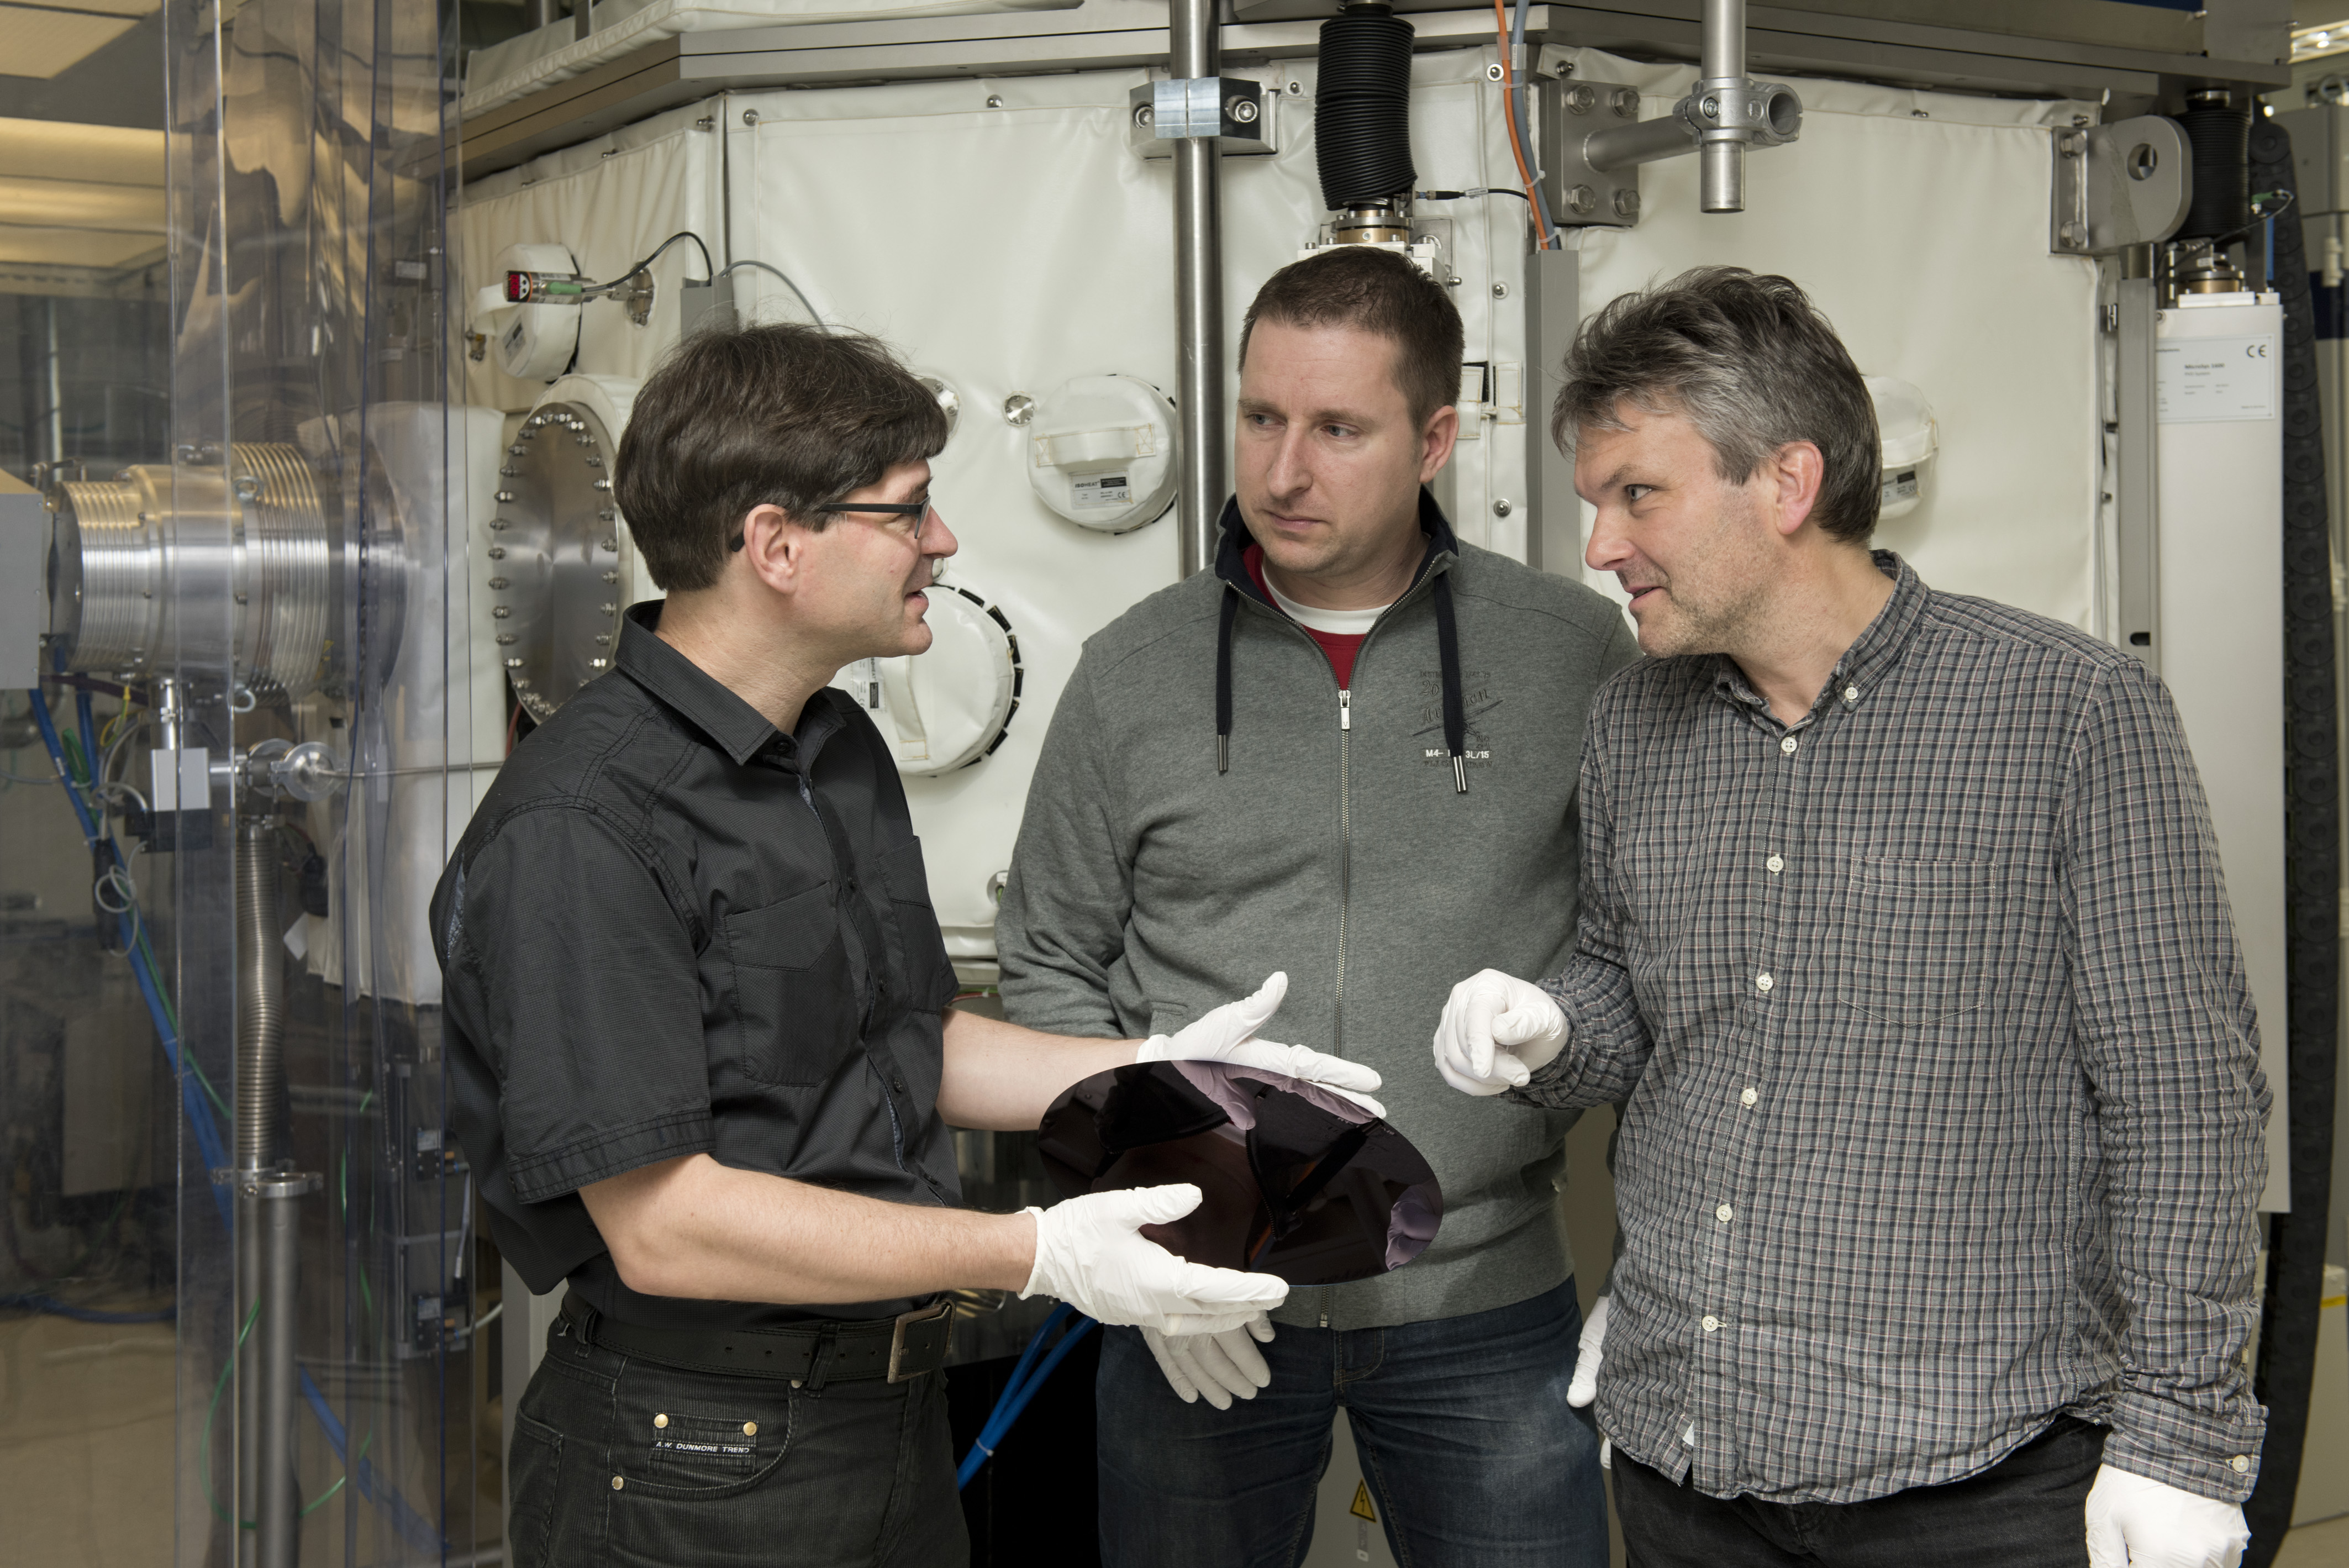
2208 378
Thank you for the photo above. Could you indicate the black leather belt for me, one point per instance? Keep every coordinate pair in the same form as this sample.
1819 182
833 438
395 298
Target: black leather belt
899 1348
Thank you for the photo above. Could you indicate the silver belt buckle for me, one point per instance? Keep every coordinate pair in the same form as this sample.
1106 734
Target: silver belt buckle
931 1313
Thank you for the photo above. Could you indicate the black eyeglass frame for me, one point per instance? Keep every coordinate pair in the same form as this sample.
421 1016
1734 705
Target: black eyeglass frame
920 511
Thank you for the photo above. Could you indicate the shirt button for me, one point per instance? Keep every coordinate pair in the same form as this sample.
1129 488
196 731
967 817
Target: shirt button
1776 864
660 1420
1788 745
1851 693
1725 1214
1748 1098
1710 1323
2240 1464
619 1481
1763 983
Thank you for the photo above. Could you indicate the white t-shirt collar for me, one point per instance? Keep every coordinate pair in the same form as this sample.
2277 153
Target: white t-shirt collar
1329 622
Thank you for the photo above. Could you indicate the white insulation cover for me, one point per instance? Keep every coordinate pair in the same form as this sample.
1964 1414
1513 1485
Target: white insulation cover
1918 221
1008 250
610 200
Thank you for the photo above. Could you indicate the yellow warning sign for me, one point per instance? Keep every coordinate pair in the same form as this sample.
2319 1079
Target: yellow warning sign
1362 1508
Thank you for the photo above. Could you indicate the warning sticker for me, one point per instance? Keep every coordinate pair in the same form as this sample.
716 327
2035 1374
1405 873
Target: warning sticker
1362 1508
1101 490
1900 486
2203 379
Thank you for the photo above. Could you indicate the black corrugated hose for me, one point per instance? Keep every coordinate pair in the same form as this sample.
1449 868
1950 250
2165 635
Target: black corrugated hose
2312 881
2220 202
1361 107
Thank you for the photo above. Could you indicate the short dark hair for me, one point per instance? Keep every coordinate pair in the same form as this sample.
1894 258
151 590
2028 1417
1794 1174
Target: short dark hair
1376 291
779 415
1752 363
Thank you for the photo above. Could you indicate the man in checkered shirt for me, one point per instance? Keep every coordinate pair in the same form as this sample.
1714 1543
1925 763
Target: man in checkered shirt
1902 925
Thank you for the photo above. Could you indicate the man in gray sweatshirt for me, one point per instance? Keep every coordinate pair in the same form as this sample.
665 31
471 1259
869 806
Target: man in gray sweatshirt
1350 752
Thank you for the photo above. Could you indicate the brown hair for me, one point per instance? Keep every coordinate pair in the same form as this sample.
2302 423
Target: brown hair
781 415
1373 291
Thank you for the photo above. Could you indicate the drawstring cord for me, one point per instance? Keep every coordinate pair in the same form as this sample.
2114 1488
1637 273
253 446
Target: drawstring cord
1455 710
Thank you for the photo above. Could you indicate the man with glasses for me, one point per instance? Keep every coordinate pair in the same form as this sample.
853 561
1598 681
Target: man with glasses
696 1017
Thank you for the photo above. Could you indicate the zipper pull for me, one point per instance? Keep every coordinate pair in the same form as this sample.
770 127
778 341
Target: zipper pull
1345 708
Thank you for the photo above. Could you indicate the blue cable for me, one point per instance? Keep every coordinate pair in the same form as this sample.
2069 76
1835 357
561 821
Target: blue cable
42 1302
1525 130
1027 1378
413 1526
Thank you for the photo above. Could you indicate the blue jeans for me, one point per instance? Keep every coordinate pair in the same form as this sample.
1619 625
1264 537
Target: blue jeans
1473 1456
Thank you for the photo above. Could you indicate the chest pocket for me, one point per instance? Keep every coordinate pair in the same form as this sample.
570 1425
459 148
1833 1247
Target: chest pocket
1918 941
929 973
794 1003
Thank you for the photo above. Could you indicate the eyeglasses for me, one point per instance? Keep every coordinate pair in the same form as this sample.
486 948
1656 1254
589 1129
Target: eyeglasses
920 511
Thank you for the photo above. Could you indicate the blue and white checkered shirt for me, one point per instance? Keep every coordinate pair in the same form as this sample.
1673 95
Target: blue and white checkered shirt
1945 1100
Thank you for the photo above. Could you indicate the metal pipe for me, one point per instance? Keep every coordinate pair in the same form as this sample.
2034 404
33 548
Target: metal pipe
537 14
1724 40
56 393
1195 46
1721 153
277 1528
1621 146
260 1011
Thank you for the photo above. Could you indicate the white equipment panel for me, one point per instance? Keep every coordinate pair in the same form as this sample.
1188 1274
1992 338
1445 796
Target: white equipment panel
2220 548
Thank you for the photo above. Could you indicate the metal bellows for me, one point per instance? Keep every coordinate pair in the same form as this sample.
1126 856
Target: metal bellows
134 557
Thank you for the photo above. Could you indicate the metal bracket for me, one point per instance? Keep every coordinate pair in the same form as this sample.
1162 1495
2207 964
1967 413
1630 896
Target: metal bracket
1590 139
2117 185
1237 113
1566 114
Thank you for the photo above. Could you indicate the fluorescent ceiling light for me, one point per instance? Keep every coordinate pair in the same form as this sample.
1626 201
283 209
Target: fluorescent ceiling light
74 247
62 150
69 204
2322 39
42 43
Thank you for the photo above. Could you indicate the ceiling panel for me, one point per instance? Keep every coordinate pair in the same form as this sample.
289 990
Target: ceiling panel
41 43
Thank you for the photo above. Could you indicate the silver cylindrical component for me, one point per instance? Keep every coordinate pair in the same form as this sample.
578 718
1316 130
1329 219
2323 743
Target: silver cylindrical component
130 549
260 1008
277 1523
1724 40
1720 175
1198 298
1621 146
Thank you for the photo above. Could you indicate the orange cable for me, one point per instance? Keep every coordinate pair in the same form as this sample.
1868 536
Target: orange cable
1509 113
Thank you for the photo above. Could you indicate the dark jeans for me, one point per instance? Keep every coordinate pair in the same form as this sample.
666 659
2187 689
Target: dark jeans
1473 1456
623 1462
2028 1511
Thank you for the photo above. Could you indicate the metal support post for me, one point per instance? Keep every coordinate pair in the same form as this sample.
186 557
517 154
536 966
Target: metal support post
268 1219
1198 298
2135 476
1721 148
1553 311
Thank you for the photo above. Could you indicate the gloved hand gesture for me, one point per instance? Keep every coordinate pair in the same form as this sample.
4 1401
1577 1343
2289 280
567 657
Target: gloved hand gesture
1228 1034
2138 1523
1590 1351
1091 1253
1223 1366
1497 1032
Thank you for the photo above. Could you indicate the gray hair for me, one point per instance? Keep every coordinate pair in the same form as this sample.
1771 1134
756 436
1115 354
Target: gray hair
1750 362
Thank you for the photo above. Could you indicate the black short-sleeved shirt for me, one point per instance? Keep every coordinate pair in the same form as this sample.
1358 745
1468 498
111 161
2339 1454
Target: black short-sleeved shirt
671 928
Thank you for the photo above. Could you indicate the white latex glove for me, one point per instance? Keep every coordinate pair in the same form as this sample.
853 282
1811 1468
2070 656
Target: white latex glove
1497 1032
1091 1253
1228 1034
1590 1351
2138 1523
1223 1366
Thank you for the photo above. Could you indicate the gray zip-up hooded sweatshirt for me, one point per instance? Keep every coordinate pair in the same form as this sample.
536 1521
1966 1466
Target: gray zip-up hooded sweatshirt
1210 807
